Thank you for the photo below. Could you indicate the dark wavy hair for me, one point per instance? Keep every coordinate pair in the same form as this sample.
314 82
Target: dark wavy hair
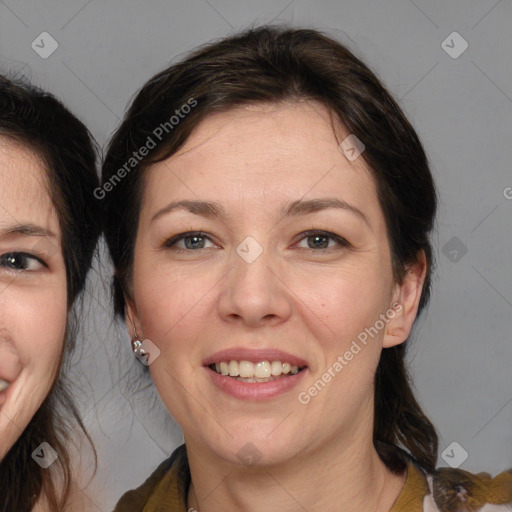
271 65
40 123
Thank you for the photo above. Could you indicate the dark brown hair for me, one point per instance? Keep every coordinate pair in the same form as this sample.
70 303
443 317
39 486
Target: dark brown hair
271 65
40 123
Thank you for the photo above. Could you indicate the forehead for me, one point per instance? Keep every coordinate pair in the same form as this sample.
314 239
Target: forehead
262 152
285 133
24 193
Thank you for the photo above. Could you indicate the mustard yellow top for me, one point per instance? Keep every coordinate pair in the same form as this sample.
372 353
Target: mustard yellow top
446 490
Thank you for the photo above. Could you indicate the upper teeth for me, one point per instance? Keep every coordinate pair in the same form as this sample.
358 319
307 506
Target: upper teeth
3 385
260 370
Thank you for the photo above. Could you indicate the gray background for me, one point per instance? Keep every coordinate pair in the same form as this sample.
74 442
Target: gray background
461 107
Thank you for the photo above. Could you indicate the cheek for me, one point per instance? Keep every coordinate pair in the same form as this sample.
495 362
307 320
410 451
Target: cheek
339 304
172 304
37 320
175 312
34 321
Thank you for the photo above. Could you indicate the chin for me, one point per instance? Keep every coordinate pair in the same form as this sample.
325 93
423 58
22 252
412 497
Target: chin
257 450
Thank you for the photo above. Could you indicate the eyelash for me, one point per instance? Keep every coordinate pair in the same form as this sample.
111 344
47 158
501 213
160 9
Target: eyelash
25 256
168 244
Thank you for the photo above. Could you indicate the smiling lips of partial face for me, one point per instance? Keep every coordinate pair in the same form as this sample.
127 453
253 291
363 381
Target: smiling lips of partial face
10 365
253 366
3 385
4 388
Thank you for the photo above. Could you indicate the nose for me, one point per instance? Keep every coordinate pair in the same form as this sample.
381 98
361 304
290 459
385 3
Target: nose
254 293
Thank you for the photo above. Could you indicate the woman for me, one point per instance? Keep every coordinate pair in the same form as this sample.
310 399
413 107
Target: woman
48 232
268 211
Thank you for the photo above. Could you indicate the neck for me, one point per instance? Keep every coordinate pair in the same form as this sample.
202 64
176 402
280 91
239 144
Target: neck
336 476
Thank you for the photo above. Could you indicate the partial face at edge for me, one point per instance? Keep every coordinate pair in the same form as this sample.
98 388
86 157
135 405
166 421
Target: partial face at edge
324 275
33 305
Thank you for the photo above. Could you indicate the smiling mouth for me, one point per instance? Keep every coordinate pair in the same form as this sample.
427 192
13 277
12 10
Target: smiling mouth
4 385
262 371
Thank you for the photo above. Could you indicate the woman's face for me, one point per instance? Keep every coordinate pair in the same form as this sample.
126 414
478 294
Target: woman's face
290 266
32 291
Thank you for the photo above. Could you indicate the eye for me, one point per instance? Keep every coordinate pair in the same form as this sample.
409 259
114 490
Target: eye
321 240
192 240
21 261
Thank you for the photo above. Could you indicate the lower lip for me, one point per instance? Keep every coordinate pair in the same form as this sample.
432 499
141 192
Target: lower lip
255 390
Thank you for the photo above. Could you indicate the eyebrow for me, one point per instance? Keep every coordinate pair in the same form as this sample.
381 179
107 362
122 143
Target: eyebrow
26 230
298 207
301 207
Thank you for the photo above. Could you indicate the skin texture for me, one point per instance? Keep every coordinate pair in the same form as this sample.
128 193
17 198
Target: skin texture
33 306
311 303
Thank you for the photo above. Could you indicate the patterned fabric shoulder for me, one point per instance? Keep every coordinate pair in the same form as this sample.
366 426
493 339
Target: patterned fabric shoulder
456 490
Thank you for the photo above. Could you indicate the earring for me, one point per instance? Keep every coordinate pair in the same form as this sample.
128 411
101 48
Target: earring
137 349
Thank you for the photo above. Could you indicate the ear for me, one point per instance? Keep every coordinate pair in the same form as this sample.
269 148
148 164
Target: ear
131 318
406 299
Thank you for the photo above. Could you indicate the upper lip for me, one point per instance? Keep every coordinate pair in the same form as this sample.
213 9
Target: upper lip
254 355
8 381
10 364
9 374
